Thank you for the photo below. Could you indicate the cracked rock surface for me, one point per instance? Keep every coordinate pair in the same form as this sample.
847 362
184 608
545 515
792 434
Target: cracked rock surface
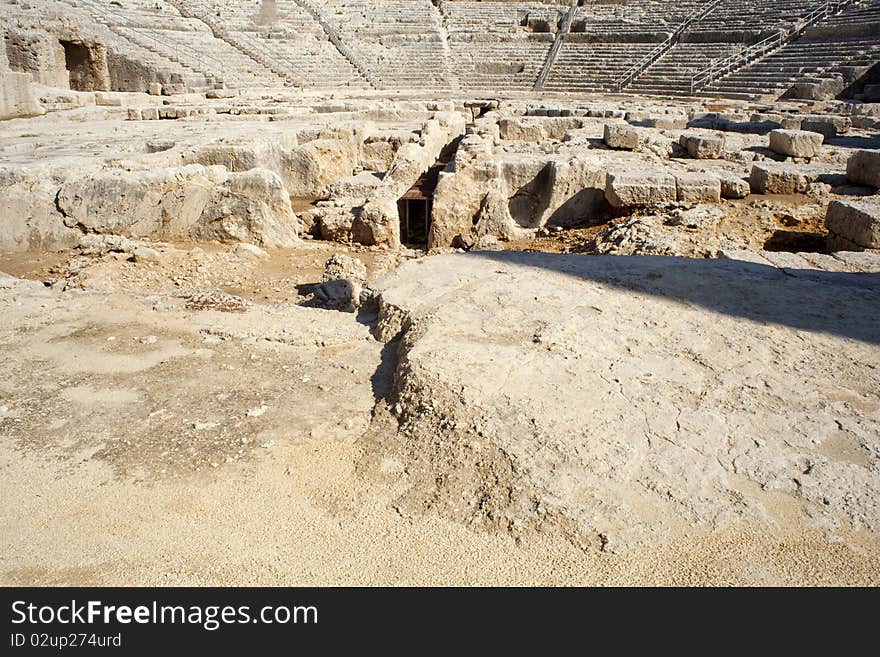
622 399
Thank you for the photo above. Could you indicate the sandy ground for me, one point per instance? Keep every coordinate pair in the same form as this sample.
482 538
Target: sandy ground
302 516
142 443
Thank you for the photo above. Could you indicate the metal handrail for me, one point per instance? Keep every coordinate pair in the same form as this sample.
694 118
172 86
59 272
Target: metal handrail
249 47
640 66
564 29
337 41
722 67
633 71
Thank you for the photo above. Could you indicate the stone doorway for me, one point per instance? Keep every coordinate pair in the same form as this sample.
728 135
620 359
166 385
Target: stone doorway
415 220
86 64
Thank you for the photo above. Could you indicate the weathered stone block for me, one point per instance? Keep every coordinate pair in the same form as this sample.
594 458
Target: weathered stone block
863 168
516 130
621 136
771 178
854 223
796 143
828 126
107 99
358 186
172 89
221 93
640 189
734 188
16 97
702 147
336 226
671 122
537 128
693 188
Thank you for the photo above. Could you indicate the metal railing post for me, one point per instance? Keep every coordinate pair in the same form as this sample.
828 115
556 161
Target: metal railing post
758 50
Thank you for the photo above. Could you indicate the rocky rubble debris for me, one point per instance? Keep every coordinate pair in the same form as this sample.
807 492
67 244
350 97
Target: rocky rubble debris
340 266
215 300
159 145
117 247
245 250
734 188
680 232
342 285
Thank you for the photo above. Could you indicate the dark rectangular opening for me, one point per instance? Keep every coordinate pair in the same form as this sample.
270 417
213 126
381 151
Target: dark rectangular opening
79 60
415 220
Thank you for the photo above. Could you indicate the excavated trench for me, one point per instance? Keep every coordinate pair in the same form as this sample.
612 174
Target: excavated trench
417 205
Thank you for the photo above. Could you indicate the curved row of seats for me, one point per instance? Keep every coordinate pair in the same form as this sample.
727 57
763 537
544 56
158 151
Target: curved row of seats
400 44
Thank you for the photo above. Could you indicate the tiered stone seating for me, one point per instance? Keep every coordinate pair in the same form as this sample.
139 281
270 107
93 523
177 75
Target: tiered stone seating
293 41
608 39
398 41
587 66
510 64
672 73
158 27
497 18
491 45
803 60
850 38
866 12
743 20
613 21
159 56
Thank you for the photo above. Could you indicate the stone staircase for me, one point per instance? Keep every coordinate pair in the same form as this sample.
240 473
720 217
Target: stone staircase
634 21
750 20
491 46
200 11
443 30
671 75
292 39
403 44
594 67
178 62
341 46
803 60
850 37
661 50
557 46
